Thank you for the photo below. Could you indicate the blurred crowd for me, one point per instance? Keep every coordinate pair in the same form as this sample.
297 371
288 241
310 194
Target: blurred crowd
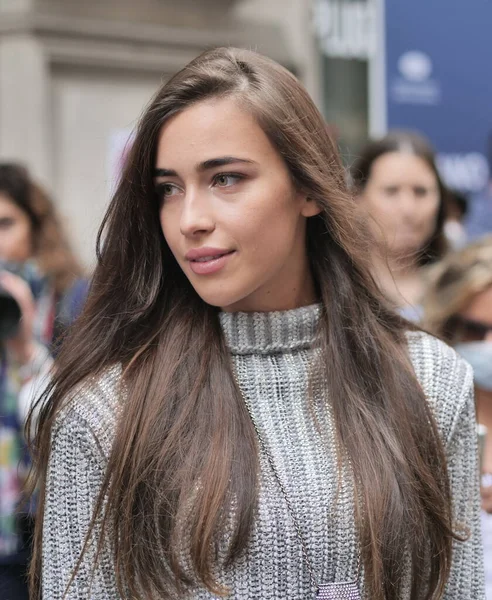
432 270
42 290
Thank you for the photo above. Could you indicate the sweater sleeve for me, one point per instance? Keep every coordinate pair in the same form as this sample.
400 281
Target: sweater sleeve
75 474
467 573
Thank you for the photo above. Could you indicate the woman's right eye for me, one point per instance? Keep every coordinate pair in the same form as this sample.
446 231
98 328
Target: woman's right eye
6 223
165 190
391 191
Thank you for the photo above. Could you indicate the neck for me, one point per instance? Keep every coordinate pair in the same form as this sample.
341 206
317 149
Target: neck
296 296
293 287
402 266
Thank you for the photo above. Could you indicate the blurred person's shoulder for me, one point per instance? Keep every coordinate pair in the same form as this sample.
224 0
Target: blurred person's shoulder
447 379
92 408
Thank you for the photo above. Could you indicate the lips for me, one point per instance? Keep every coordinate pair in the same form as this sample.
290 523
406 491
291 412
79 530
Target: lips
208 258
205 261
205 253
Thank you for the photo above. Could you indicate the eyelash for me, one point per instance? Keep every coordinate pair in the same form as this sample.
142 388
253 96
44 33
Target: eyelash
418 191
238 176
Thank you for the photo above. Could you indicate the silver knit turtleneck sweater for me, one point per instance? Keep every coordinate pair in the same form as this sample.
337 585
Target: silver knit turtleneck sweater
272 353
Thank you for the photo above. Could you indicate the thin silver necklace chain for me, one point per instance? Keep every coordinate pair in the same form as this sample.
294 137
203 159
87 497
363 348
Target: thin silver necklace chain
290 508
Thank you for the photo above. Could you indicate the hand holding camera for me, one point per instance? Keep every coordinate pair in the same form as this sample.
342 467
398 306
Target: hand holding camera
17 307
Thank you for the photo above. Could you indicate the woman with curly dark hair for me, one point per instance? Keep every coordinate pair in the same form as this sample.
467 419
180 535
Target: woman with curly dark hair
41 292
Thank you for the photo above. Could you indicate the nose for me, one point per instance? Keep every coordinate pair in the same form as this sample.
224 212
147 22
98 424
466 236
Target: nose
408 203
197 216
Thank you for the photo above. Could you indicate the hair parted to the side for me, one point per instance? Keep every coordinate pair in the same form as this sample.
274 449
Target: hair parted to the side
414 143
49 243
184 421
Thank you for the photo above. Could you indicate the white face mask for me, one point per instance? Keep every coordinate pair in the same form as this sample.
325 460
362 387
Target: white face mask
479 355
455 234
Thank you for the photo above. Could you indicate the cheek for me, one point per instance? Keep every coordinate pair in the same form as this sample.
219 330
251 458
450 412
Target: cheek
382 216
16 242
268 240
27 237
434 208
266 223
378 207
430 213
170 228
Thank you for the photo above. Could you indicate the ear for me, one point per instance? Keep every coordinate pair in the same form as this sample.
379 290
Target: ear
309 207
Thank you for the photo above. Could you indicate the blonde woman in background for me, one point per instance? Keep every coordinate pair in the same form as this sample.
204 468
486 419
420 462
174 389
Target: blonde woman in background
458 308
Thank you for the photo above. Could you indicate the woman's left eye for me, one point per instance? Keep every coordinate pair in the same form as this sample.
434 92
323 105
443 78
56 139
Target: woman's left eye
6 223
226 179
420 192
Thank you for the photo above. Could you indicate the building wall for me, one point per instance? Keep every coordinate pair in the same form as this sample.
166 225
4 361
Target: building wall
296 20
95 110
73 81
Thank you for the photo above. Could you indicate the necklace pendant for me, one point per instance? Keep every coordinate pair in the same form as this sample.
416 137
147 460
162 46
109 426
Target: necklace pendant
344 590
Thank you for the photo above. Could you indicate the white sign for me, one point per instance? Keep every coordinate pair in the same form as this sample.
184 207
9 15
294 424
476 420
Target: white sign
468 171
346 28
415 84
415 66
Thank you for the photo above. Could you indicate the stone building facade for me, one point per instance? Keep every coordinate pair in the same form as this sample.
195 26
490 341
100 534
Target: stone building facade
74 77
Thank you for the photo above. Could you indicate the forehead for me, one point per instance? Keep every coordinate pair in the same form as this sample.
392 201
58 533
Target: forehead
9 207
402 166
212 128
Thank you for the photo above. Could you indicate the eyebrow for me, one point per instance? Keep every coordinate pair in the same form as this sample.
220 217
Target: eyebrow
211 163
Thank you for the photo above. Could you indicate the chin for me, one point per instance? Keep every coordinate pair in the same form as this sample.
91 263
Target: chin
409 248
219 299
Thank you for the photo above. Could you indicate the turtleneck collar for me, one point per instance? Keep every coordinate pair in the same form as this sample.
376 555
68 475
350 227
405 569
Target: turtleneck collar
270 332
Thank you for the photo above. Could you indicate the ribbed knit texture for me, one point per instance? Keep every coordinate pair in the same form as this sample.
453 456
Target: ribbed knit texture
272 353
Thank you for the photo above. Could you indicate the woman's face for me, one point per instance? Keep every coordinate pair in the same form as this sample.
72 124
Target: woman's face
15 232
402 197
472 328
229 211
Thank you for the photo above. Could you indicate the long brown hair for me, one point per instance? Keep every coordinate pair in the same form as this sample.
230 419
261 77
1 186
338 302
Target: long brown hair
49 242
184 421
414 143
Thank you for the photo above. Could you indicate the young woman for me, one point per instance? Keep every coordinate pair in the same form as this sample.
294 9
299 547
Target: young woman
458 308
40 272
238 413
32 240
399 187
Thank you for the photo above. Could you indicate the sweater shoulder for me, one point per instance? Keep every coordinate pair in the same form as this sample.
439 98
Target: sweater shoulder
92 408
446 379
